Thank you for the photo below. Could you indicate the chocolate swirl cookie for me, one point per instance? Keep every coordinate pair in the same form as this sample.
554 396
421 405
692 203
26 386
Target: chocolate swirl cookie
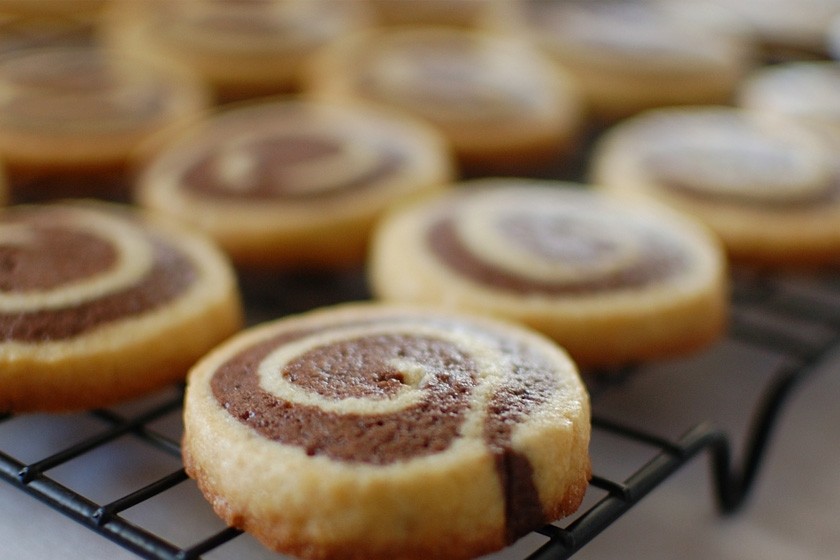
71 118
631 56
388 432
806 91
788 31
767 185
294 183
612 281
497 100
244 49
99 303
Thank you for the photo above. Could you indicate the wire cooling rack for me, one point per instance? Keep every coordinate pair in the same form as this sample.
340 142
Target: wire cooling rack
797 319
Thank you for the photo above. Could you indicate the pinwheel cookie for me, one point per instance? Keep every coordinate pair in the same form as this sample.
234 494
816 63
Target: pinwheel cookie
72 117
765 184
293 184
612 281
499 102
789 30
808 92
242 49
369 431
631 56
99 303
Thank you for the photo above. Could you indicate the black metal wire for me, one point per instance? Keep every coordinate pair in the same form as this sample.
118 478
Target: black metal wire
731 483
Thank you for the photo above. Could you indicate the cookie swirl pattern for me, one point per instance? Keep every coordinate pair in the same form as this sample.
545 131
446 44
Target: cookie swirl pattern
373 391
243 50
59 268
499 102
104 101
291 164
72 118
84 287
734 160
630 56
527 245
766 184
612 280
286 183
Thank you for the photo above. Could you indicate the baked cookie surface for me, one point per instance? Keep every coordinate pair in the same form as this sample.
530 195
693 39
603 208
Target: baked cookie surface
242 49
292 183
612 281
789 30
99 304
807 91
72 117
377 431
765 184
499 102
630 56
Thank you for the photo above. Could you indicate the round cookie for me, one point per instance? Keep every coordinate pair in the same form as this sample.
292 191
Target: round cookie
789 30
292 183
808 91
375 431
765 184
501 104
243 49
99 303
613 281
72 117
631 56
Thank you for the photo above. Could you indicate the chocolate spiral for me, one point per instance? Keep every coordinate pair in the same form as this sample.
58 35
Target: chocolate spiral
730 158
393 389
67 270
539 241
284 163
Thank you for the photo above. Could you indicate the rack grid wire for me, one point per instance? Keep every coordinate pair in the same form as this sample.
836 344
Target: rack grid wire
753 292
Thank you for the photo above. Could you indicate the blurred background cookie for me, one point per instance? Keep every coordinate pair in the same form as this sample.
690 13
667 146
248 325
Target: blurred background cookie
242 49
612 281
765 184
789 30
294 184
628 56
501 104
72 117
808 91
